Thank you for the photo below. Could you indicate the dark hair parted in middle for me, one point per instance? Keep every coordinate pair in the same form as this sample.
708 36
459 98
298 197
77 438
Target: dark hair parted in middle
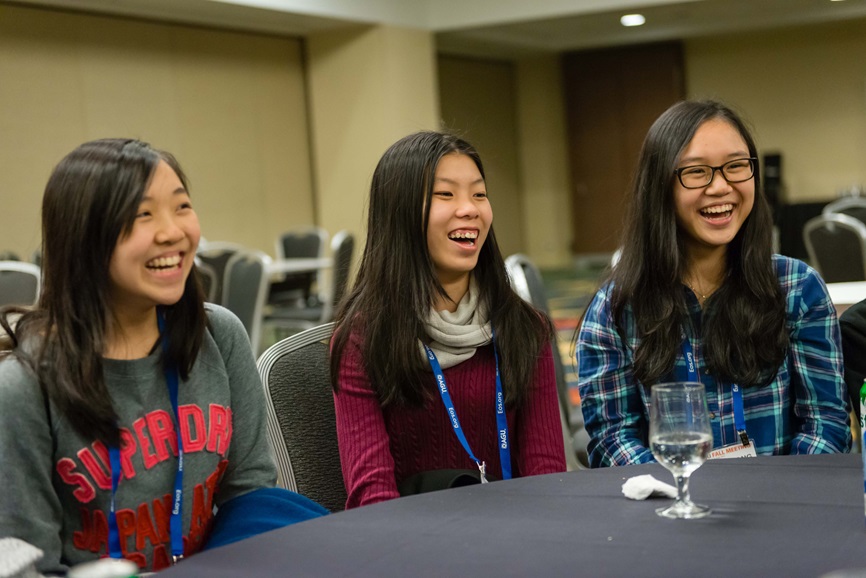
397 283
744 323
90 203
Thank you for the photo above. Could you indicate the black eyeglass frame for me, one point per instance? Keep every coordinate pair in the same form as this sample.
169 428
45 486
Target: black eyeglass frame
752 163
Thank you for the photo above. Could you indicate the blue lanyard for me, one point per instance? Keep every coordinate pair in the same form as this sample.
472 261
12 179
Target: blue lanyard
739 415
176 518
501 418
691 362
692 375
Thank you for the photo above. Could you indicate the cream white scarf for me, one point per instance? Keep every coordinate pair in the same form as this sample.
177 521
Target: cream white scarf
455 336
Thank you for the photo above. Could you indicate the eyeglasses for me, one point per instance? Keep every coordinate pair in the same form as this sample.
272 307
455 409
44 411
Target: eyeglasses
698 176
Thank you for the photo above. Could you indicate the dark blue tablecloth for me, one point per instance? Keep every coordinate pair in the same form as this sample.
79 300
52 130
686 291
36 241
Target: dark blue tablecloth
773 516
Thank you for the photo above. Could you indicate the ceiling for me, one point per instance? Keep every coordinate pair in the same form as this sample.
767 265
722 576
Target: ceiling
499 28
663 22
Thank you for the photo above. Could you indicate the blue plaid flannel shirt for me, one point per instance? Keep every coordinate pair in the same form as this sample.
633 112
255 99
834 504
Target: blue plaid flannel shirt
803 411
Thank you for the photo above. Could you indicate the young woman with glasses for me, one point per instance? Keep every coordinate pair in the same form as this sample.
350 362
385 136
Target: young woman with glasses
698 295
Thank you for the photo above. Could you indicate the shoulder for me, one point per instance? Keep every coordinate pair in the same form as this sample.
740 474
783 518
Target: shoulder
599 309
799 280
793 273
352 333
222 320
19 387
225 331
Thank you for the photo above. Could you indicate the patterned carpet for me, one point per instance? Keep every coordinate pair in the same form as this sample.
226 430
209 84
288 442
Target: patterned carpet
569 291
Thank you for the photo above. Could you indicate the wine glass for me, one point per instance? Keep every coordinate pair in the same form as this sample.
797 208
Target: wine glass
680 438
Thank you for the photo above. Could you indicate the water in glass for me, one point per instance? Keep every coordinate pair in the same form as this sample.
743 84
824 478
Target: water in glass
680 439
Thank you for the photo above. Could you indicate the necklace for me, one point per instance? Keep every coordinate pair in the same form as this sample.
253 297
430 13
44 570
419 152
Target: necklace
702 297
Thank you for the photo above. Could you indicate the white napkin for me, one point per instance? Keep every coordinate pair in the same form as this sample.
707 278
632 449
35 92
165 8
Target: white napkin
18 559
642 487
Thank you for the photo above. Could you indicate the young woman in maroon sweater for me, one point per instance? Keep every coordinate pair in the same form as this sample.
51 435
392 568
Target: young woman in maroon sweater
432 305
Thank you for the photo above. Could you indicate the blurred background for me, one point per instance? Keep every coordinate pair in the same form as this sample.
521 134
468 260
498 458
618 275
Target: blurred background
278 110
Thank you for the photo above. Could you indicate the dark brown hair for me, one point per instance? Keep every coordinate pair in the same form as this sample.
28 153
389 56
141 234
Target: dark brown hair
744 324
397 283
90 202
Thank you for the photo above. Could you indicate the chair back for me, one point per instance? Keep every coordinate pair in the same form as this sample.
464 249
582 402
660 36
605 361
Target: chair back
342 248
302 424
300 243
851 206
245 287
527 282
20 283
836 244
216 255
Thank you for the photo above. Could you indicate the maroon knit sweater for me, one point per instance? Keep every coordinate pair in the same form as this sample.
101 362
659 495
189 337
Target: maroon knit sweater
380 448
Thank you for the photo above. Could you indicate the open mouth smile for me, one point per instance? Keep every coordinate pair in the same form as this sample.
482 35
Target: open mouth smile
165 263
464 237
717 212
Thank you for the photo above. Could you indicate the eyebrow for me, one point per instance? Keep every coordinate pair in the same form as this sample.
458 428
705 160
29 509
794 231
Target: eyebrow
736 155
177 191
453 182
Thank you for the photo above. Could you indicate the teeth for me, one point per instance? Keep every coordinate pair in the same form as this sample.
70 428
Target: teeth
718 209
163 262
464 235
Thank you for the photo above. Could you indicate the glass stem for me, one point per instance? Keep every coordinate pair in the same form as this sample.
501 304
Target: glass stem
683 489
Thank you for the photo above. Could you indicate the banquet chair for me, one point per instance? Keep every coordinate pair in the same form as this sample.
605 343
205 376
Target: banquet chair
20 283
836 245
305 317
216 255
301 423
245 286
528 283
300 243
851 206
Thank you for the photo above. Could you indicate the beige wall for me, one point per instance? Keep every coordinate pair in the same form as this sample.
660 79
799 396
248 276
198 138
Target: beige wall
368 88
804 91
545 181
479 102
230 106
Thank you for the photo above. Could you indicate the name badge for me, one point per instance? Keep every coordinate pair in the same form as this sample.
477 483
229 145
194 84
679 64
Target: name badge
737 450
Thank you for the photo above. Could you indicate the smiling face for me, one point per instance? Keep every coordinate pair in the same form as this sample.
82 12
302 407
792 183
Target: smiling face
711 216
460 218
150 265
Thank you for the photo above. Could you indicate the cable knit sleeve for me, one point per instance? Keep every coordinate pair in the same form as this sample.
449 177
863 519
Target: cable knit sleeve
539 426
368 466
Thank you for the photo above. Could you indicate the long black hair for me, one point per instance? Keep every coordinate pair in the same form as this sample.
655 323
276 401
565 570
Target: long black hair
397 284
744 321
90 202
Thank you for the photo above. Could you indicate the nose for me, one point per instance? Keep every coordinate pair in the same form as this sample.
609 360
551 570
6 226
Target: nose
719 184
168 231
467 208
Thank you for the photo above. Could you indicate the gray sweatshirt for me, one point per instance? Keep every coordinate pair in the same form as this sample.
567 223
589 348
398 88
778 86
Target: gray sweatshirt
55 486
